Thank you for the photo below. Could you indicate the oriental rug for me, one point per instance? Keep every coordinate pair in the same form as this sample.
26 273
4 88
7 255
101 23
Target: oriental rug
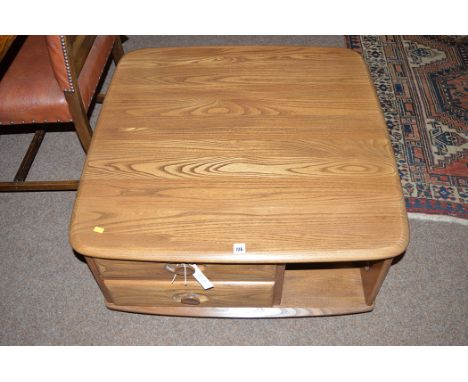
422 85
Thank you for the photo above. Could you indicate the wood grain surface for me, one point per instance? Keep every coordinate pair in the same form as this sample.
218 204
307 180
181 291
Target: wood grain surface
116 269
306 292
249 312
163 293
282 148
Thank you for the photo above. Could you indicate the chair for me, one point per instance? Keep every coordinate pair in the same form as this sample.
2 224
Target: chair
53 79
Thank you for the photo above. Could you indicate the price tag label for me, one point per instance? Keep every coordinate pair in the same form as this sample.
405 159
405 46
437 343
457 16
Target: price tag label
239 249
201 278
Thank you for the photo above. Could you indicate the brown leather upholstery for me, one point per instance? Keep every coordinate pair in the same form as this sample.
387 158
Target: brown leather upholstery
58 61
29 90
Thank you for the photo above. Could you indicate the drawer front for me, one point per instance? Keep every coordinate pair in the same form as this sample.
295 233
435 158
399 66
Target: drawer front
163 293
121 269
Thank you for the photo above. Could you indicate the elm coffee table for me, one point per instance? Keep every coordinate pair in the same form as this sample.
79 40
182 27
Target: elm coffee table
267 170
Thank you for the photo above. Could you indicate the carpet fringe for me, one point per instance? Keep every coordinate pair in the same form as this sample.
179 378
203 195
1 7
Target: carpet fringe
437 218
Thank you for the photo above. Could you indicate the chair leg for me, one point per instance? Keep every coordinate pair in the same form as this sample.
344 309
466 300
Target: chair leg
117 50
19 183
100 97
31 153
80 118
117 53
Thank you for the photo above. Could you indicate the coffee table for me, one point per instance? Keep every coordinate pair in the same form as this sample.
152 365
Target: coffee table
267 169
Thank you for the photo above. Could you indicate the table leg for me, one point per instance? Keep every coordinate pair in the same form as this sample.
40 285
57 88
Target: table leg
373 277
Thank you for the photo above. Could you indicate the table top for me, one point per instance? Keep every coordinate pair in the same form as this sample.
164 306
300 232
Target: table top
281 148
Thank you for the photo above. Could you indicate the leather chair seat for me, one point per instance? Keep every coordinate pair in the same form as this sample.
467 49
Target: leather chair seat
29 92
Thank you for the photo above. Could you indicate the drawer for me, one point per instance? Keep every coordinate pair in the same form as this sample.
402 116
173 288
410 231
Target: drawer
122 269
163 293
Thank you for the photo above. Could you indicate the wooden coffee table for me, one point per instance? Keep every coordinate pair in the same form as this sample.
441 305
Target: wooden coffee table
269 168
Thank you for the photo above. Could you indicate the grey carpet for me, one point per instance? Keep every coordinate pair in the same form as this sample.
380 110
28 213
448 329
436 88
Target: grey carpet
48 296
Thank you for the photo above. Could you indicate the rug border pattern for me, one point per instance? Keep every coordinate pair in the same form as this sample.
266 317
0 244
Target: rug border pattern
380 74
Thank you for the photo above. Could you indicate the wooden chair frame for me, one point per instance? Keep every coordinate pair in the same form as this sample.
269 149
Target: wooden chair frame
79 47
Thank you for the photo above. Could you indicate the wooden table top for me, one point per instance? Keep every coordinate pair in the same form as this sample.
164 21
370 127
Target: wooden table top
283 149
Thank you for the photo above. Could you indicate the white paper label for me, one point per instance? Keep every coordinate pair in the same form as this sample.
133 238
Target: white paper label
201 278
239 249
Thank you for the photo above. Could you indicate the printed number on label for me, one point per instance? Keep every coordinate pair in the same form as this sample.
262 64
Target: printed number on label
238 248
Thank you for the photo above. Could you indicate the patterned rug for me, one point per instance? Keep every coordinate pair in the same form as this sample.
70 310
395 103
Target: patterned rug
422 84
